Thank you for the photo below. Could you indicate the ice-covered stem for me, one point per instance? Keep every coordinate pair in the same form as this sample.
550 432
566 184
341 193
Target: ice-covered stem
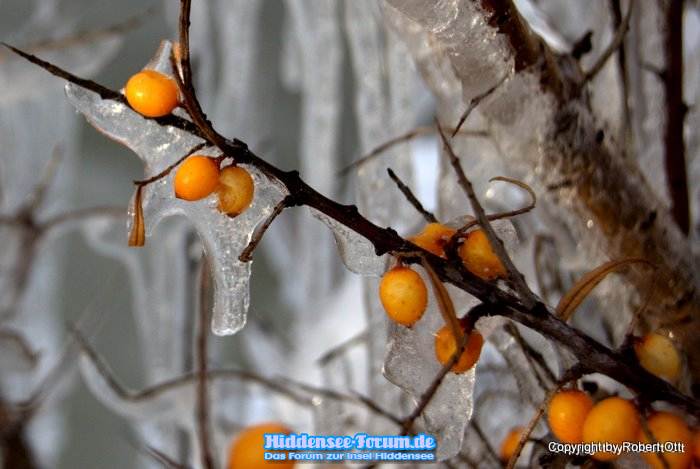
675 116
583 172
526 295
412 199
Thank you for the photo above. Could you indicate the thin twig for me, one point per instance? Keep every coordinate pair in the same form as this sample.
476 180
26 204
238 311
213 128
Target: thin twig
412 199
186 83
408 136
614 45
572 374
166 171
474 103
427 396
479 432
526 295
104 92
87 37
676 109
247 254
35 199
202 393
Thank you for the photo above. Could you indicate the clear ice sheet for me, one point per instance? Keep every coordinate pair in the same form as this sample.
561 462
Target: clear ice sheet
223 237
356 251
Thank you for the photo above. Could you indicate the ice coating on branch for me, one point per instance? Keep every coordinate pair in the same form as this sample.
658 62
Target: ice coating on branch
484 62
357 252
223 238
411 364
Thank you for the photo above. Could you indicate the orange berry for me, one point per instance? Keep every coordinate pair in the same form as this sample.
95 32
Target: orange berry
235 190
510 442
612 420
433 238
567 411
657 355
152 93
247 450
666 426
696 447
196 178
403 295
446 346
479 258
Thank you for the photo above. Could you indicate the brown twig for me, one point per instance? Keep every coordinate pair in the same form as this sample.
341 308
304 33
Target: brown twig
412 199
473 104
104 92
614 45
202 377
247 254
420 131
674 144
526 295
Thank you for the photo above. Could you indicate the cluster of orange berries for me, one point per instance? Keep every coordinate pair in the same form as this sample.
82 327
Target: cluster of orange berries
404 295
574 418
155 94
199 176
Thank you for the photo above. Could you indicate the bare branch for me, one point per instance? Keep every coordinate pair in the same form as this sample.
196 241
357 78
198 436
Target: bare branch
521 287
413 200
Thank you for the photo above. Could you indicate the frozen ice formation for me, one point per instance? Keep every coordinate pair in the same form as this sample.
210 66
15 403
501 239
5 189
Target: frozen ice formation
158 146
410 363
356 251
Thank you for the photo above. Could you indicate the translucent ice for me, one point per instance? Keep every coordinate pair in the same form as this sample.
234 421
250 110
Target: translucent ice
410 363
158 147
356 251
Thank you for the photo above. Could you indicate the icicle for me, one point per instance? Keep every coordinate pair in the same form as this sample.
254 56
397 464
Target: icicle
223 237
357 252
411 364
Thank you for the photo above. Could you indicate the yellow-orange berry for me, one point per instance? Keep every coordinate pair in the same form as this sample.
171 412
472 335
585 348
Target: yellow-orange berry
247 450
510 442
196 178
567 411
612 420
433 238
446 346
479 258
696 447
235 190
152 93
403 295
657 355
668 427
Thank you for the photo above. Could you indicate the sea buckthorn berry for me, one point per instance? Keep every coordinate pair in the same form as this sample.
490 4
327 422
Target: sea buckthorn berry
657 355
510 442
666 426
152 93
446 346
196 178
247 450
235 190
433 238
403 295
567 411
479 258
612 420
